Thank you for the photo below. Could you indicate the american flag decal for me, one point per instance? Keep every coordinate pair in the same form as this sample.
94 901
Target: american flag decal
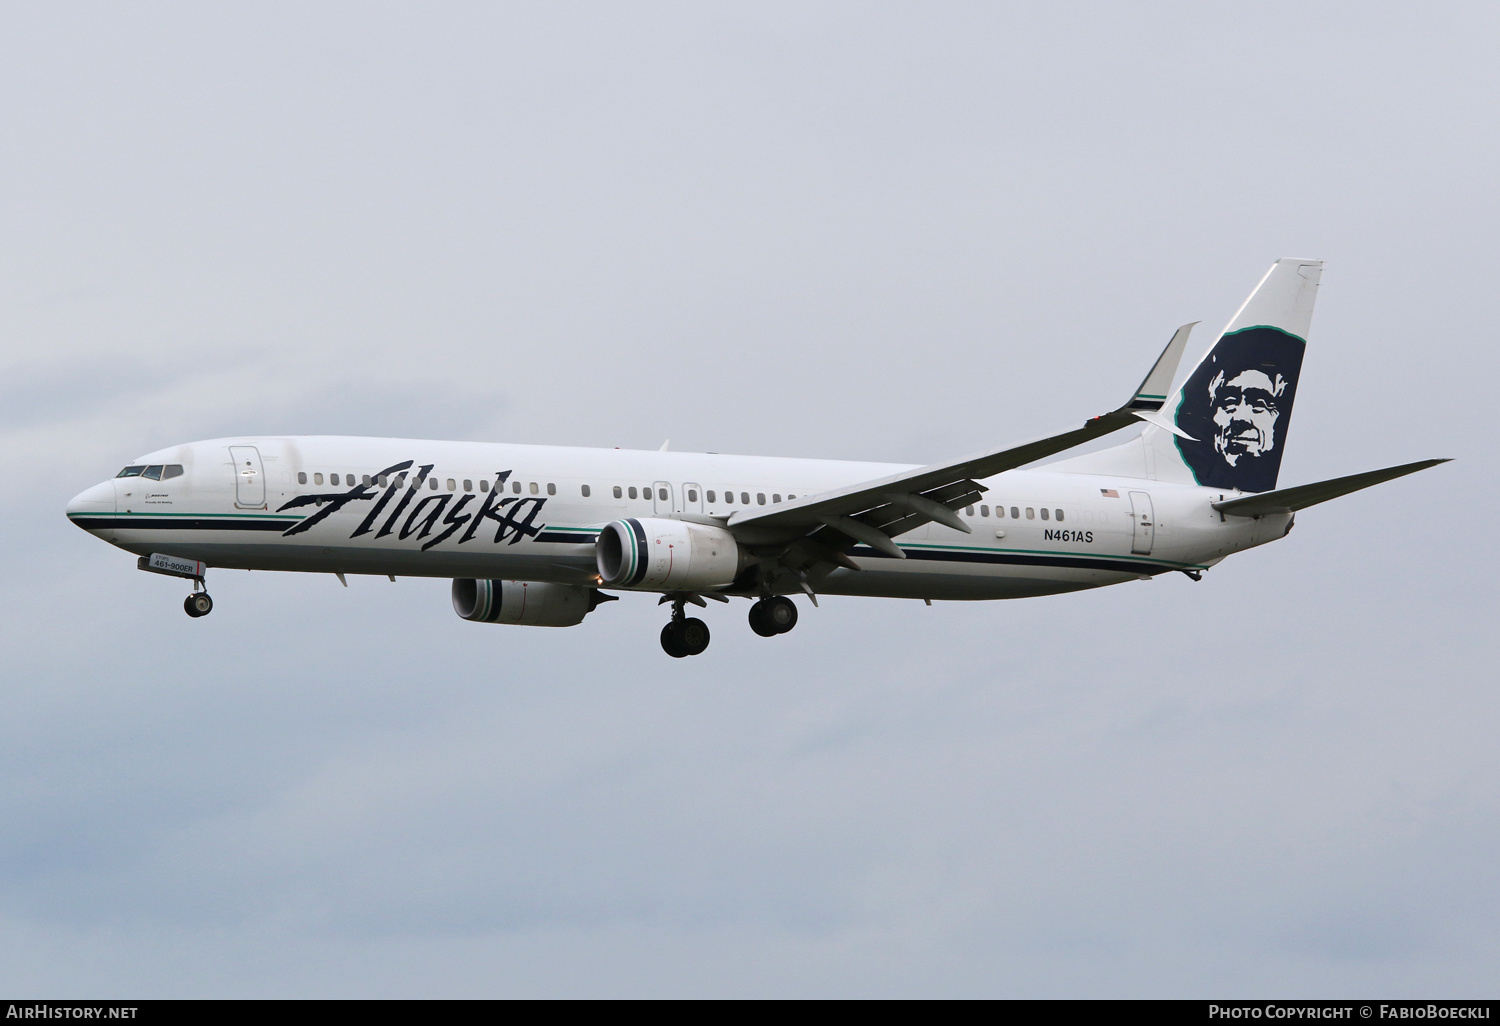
1109 493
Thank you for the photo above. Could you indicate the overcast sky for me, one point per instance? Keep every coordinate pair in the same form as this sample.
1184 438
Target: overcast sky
863 231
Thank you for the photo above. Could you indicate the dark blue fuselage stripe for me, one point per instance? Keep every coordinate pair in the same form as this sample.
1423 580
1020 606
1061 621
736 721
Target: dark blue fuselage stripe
183 524
1124 566
567 537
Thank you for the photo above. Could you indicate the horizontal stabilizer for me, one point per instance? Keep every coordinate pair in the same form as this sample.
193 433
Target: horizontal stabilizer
1288 500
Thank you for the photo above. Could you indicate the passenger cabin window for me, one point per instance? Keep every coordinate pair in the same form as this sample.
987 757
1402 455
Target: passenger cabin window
692 495
729 498
533 488
1015 514
432 483
775 496
384 480
452 485
712 497
632 491
1030 513
617 491
365 480
130 472
760 497
585 491
468 485
969 511
1058 514
302 477
484 485
661 493
551 488
984 511
744 498
332 478
515 486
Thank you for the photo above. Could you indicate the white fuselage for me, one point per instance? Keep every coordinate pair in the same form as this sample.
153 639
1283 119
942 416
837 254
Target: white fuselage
531 512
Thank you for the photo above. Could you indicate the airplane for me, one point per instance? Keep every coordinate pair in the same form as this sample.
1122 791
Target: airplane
533 535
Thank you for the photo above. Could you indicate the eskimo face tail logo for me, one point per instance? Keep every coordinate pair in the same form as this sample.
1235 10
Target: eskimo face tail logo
1238 405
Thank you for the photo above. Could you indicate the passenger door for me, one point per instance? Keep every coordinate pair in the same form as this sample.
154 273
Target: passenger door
1145 524
692 498
249 478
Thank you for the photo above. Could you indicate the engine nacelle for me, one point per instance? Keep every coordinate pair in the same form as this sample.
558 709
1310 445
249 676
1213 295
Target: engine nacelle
532 603
667 555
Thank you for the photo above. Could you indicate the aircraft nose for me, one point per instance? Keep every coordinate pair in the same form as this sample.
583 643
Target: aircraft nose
88 504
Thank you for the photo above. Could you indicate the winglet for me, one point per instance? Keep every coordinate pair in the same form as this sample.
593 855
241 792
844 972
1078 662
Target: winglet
1152 394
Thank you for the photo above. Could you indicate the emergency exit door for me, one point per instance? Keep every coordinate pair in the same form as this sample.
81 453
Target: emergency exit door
661 494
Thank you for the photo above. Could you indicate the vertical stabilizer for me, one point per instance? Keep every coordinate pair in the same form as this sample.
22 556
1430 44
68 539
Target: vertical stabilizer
1234 410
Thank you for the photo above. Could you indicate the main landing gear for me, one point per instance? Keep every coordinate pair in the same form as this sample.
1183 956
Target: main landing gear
772 616
684 635
688 636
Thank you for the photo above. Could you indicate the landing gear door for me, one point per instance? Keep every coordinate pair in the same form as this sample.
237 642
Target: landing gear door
1145 523
661 492
249 478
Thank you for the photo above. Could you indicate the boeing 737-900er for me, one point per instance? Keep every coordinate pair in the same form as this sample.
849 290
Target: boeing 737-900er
534 534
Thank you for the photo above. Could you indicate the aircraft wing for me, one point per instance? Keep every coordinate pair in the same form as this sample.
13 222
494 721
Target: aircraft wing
1289 500
873 512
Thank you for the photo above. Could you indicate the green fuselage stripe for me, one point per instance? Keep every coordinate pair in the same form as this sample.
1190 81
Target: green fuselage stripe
1133 557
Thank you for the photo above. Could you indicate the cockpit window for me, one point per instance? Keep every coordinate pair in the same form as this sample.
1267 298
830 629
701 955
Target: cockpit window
153 473
170 471
130 472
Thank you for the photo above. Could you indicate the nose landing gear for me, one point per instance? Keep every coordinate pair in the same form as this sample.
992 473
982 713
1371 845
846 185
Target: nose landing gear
772 616
198 604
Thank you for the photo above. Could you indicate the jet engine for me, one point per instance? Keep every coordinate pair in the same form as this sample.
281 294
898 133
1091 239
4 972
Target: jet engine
667 555
532 603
